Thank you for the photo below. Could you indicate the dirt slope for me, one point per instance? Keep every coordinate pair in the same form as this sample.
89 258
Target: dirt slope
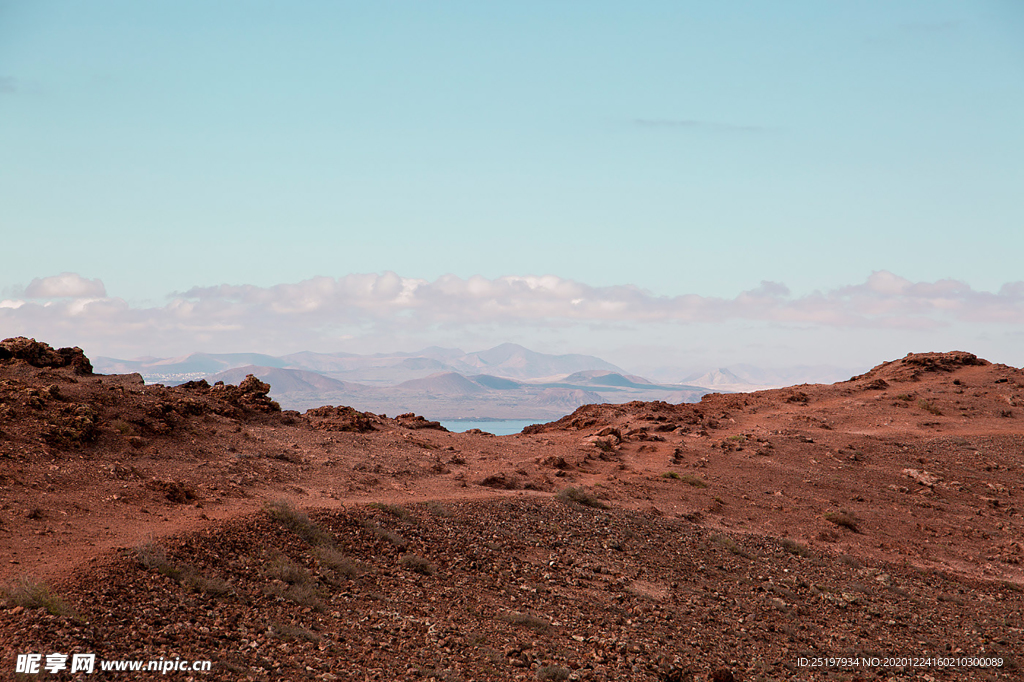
873 515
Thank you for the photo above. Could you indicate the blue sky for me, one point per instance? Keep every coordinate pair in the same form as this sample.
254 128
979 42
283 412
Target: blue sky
679 148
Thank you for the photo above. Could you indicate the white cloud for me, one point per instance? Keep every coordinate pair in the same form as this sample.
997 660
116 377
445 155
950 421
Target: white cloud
65 285
318 312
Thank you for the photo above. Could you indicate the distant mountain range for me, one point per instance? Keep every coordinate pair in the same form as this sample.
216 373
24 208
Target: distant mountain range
504 382
736 378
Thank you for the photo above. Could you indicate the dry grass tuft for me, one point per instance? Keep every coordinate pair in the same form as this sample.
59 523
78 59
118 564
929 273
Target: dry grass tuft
297 522
580 496
417 564
34 594
844 520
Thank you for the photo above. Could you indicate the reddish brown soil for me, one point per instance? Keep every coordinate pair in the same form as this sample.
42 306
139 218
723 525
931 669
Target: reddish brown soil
879 516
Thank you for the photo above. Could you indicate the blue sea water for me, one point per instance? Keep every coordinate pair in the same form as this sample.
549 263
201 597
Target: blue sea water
499 427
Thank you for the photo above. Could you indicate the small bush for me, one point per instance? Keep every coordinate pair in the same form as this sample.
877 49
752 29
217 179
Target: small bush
929 407
437 509
32 594
850 561
398 511
739 438
580 496
526 620
297 522
844 519
794 547
730 544
393 538
417 564
282 569
691 480
671 474
553 673
338 562
215 587
905 397
152 557
303 595
293 633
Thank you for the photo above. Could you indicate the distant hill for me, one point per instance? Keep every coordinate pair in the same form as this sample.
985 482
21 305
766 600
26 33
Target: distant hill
445 383
751 378
191 365
286 381
604 378
509 360
507 381
516 362
566 398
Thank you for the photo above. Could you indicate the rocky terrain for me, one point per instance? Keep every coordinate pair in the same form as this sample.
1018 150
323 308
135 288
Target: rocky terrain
726 539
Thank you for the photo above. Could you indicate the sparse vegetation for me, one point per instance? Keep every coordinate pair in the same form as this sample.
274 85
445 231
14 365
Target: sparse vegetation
738 438
338 563
794 547
850 561
154 558
33 594
730 544
580 496
526 620
280 568
435 508
301 594
293 633
691 480
417 564
297 522
215 587
393 538
553 673
670 474
905 397
396 510
929 407
844 520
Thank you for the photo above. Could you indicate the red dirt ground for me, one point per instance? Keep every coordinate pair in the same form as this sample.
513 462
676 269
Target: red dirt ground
876 515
